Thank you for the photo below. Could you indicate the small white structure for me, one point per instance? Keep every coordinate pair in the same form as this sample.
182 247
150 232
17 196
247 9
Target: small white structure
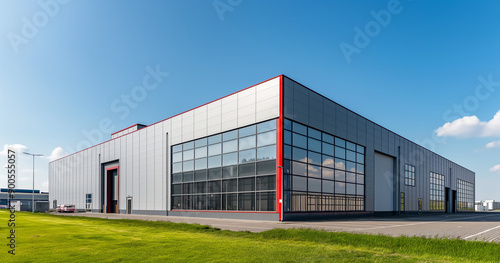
487 205
17 206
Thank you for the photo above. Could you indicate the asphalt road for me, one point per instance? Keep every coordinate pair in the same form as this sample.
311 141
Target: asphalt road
483 226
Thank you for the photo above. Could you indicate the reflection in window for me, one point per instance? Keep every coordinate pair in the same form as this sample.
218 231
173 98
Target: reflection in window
230 146
266 153
328 149
465 195
200 164
339 152
328 173
328 161
299 183
188 155
299 154
214 139
177 157
234 171
247 143
229 159
214 161
266 126
200 152
322 172
314 158
188 166
314 171
250 130
314 145
328 186
230 135
266 138
339 188
314 185
200 142
437 201
247 156
214 149
300 140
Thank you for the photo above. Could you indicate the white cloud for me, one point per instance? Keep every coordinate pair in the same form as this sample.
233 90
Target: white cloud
471 126
494 144
19 147
57 153
495 168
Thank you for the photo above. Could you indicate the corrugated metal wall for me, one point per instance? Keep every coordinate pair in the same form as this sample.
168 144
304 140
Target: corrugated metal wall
307 107
143 155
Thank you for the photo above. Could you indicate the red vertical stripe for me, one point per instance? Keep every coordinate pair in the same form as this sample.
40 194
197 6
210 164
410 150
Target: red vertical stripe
279 154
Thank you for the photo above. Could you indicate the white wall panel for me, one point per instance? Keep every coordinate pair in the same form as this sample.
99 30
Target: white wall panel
229 112
144 155
158 161
200 122
136 178
129 164
143 187
247 112
150 169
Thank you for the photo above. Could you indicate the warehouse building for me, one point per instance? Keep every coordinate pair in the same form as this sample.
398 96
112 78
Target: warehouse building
274 151
487 205
24 199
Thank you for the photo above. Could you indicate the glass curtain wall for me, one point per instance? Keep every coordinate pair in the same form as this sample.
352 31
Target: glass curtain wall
465 195
230 171
437 192
321 172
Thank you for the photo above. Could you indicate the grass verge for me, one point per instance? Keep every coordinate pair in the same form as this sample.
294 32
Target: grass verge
50 238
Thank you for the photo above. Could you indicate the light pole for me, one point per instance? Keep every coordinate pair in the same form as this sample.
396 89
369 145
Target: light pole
33 198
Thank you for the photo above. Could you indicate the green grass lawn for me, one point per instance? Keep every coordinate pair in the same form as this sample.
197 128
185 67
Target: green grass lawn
50 238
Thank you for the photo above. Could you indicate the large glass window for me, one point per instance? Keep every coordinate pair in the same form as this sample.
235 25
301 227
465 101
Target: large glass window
437 192
322 172
465 195
409 175
241 173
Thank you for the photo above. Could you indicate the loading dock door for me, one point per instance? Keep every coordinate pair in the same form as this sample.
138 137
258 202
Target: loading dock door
111 190
384 183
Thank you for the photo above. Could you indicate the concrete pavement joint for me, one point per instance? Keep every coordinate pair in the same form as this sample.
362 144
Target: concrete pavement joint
482 232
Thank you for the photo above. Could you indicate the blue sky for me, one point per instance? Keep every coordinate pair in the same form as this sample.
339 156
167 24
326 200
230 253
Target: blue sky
67 66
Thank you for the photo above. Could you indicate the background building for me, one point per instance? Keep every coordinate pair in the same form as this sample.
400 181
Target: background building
25 196
488 205
276 150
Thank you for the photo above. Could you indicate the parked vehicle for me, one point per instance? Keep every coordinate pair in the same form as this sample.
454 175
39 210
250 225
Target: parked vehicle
66 208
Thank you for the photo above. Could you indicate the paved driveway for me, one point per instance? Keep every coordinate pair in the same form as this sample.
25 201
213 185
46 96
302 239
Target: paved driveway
484 226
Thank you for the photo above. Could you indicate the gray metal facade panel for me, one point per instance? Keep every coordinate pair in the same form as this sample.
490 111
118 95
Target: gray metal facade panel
346 124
